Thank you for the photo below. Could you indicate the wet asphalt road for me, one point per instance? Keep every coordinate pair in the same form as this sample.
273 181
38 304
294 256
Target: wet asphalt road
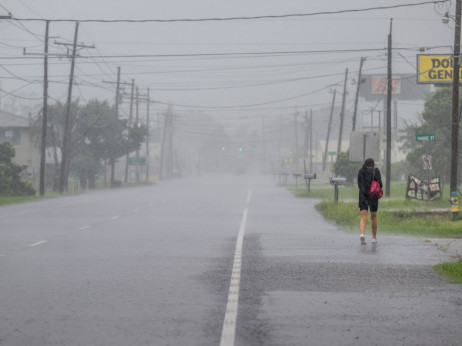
153 266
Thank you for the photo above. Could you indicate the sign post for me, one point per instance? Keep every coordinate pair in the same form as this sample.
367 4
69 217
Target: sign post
427 166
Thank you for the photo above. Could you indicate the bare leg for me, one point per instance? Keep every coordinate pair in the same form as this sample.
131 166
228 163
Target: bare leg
362 225
374 224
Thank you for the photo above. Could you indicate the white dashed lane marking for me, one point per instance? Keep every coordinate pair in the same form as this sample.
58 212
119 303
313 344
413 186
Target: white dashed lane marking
38 243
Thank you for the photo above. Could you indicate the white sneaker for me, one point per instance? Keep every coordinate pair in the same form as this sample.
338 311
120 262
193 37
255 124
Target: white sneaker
363 240
374 240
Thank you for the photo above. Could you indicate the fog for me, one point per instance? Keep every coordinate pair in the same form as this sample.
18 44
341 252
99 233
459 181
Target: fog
240 83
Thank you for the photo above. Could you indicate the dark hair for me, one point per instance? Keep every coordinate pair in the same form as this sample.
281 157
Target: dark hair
369 163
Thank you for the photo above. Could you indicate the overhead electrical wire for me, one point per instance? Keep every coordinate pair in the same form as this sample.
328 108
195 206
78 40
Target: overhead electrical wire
217 19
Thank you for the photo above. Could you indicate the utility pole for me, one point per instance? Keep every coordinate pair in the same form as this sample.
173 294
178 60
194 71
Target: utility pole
66 145
63 177
296 140
147 137
164 138
455 101
357 92
117 101
263 142
342 114
129 128
305 147
389 94
324 160
280 139
311 141
137 120
44 114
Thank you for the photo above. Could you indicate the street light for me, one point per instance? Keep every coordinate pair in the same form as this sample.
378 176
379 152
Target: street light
446 18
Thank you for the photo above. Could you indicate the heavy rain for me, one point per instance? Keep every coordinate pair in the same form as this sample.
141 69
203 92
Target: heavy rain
186 172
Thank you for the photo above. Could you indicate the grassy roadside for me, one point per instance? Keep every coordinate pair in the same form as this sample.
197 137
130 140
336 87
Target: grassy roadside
9 200
397 216
453 271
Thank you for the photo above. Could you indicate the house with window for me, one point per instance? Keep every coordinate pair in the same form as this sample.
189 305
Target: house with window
17 130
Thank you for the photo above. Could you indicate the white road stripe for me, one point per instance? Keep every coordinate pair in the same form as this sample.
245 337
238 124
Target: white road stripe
249 195
115 217
84 228
38 243
229 325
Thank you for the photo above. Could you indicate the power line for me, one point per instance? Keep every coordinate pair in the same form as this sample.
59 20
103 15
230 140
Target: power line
215 19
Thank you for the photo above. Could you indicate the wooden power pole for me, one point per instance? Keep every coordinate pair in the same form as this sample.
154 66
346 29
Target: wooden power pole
44 114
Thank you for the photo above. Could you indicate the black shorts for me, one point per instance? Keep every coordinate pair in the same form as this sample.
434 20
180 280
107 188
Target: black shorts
366 202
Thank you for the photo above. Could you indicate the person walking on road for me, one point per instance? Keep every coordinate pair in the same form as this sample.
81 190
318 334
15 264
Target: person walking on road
366 175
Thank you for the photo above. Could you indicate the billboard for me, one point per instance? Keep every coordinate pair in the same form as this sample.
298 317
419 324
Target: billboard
435 69
404 87
379 85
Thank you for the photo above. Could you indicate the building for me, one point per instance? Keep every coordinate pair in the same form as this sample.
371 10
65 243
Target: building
17 130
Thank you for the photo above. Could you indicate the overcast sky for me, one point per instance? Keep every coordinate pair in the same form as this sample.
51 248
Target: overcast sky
285 74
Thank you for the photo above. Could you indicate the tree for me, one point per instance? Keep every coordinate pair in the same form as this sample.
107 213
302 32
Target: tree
343 167
97 135
435 119
10 174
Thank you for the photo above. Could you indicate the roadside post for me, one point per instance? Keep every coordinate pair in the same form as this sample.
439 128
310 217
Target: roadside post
336 182
296 175
427 166
308 177
426 159
454 199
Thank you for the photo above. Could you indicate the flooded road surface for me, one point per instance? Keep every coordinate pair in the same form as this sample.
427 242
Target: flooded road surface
230 260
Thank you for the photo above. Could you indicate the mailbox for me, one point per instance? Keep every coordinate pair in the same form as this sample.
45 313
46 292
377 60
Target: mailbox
308 177
337 181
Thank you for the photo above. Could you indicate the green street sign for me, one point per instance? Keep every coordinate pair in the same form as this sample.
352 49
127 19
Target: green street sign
332 153
423 138
136 161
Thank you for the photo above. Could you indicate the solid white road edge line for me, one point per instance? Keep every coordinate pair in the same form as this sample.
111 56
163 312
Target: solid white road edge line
229 325
38 243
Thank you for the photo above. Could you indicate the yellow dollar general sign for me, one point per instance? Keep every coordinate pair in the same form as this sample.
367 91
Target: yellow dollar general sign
435 69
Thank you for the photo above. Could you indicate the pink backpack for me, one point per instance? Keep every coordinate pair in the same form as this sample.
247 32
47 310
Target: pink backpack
375 190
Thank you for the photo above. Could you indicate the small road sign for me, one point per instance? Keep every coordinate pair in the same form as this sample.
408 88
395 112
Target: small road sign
427 162
425 137
332 153
136 161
